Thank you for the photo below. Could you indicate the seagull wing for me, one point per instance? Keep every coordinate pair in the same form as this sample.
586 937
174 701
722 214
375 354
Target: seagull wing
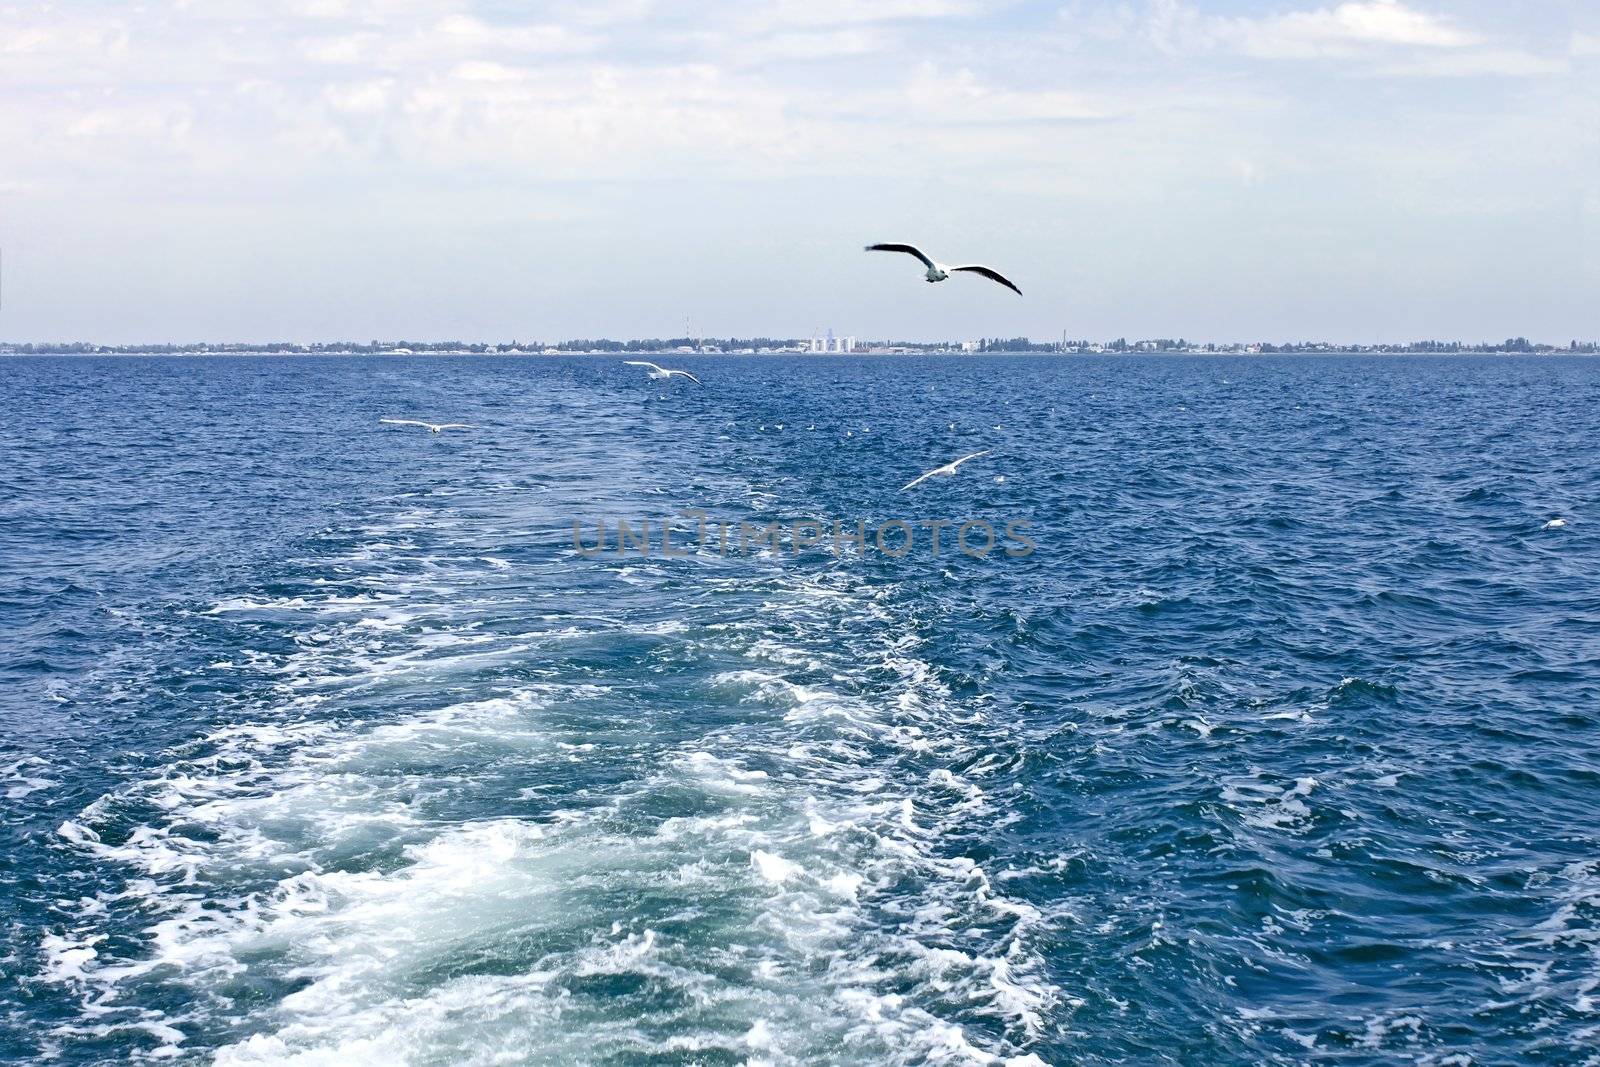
948 468
457 426
920 479
406 422
963 459
910 250
641 363
686 374
992 275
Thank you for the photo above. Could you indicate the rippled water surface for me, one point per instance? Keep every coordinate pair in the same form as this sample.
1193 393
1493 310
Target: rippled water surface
322 744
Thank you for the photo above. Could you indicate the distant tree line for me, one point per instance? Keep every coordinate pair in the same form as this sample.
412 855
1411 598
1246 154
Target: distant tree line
1014 344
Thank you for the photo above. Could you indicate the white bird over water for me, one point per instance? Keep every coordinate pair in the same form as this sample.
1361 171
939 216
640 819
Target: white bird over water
1554 524
433 427
945 471
938 272
658 371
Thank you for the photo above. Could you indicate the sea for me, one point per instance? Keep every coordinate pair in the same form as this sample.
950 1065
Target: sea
1270 733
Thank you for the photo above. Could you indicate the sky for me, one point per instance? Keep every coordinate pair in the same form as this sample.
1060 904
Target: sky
180 170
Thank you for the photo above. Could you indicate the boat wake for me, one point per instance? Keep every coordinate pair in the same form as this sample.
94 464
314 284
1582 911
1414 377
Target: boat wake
427 833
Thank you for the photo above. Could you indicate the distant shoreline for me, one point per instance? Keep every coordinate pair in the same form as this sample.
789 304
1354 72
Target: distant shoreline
790 346
136 351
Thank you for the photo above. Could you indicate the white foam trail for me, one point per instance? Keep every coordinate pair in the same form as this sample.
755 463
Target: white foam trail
23 777
773 887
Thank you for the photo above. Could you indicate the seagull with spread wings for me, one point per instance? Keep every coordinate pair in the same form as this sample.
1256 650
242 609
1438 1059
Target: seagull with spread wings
658 371
945 471
432 427
938 272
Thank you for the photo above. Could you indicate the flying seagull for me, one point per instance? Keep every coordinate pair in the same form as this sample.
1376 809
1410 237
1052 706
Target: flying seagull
942 472
433 427
938 272
657 371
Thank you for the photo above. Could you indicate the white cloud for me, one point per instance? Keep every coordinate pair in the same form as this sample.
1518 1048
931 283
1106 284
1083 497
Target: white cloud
598 119
806 30
350 48
1352 28
960 98
34 43
634 85
1344 30
811 44
465 31
480 70
843 12
453 37
360 98
1383 37
329 83
1477 62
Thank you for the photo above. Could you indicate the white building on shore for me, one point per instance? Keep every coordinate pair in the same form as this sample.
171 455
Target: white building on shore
831 343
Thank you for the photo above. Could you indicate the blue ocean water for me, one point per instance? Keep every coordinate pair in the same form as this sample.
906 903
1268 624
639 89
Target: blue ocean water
323 744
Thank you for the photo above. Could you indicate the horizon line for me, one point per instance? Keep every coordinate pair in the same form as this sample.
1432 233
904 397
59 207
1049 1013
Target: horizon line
785 345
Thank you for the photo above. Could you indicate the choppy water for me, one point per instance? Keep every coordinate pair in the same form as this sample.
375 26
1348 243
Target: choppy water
321 744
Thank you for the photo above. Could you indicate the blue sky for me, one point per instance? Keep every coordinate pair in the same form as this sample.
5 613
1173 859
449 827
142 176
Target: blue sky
319 169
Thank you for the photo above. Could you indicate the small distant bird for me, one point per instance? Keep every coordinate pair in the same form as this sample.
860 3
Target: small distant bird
657 371
938 272
942 472
433 427
1554 524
